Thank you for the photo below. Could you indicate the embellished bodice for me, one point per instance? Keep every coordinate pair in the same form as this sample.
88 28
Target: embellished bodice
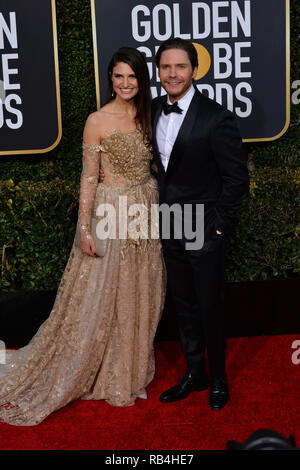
125 160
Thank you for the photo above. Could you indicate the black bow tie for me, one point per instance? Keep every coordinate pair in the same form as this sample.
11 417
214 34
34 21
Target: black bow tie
171 108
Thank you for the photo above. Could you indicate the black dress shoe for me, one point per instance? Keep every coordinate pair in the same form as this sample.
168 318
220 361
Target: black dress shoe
218 396
187 385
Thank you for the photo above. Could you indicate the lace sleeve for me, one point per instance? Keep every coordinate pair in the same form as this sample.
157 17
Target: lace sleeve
88 185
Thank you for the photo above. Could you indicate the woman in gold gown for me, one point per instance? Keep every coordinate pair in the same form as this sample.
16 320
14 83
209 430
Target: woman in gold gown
98 340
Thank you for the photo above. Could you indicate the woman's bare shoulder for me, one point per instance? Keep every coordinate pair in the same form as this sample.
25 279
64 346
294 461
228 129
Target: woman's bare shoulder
103 115
95 125
96 118
101 122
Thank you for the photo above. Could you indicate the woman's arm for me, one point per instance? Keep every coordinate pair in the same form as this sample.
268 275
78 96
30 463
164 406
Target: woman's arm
88 181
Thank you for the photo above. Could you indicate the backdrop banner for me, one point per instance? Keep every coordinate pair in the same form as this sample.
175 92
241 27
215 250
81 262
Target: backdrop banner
242 45
30 110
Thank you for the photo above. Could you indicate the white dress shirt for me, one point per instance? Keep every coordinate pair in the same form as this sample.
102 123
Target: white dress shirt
168 126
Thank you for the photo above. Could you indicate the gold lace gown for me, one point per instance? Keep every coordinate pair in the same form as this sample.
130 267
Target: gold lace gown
98 340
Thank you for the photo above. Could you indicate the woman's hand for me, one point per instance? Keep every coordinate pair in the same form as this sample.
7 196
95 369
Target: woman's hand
154 167
102 175
87 245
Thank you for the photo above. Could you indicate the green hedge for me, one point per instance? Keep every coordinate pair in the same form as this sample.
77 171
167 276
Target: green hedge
37 229
39 193
266 243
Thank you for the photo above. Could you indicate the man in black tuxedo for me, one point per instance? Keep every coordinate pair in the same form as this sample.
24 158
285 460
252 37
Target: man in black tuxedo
200 160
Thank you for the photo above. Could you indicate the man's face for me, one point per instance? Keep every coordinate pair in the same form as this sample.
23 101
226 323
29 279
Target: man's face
176 73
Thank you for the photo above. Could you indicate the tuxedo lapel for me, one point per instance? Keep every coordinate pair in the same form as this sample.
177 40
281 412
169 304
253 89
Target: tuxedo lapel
183 134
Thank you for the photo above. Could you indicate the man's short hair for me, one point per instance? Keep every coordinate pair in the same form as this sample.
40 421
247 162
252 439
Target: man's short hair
178 43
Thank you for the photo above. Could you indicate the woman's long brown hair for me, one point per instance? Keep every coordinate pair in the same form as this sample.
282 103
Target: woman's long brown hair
136 60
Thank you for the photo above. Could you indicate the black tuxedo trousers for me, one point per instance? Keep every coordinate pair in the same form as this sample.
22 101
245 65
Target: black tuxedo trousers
196 280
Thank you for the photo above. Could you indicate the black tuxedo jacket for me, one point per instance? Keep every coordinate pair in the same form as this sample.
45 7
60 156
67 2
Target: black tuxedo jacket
207 164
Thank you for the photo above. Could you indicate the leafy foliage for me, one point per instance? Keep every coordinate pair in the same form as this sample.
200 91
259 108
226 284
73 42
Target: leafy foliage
266 244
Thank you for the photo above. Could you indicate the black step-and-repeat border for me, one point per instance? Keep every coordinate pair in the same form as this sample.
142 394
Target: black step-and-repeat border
243 48
252 308
30 107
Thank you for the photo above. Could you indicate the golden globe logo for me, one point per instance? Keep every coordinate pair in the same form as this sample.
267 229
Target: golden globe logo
204 60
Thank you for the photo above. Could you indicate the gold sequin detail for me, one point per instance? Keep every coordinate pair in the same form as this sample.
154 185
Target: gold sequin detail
123 150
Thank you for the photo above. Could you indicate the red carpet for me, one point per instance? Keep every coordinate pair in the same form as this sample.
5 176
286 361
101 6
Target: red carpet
264 387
